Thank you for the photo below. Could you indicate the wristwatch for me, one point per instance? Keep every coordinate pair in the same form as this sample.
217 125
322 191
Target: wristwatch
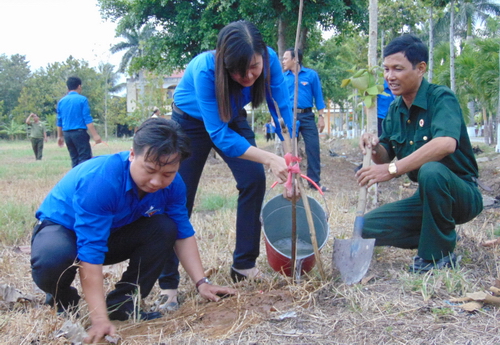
320 115
393 169
203 280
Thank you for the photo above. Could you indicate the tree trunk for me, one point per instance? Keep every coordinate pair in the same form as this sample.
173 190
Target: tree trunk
452 46
371 116
281 37
431 46
372 61
498 110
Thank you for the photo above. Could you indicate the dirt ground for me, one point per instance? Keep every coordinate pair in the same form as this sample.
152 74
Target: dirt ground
386 308
390 306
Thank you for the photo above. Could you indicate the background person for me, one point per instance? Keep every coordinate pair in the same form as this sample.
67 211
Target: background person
73 120
208 104
129 205
38 135
156 113
383 103
426 131
309 94
270 130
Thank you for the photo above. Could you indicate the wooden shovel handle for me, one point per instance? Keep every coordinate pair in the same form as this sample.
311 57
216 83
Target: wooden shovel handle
360 211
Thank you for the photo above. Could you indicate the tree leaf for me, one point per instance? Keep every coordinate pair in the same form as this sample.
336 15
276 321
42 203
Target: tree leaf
345 82
373 90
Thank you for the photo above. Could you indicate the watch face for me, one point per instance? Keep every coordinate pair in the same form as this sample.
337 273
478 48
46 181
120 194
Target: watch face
393 169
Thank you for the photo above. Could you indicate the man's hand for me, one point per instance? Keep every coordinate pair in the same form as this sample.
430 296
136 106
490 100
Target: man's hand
99 329
60 141
373 174
212 292
368 141
97 139
321 124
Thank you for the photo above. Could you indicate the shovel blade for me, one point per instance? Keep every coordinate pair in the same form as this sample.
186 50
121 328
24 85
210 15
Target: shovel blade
352 258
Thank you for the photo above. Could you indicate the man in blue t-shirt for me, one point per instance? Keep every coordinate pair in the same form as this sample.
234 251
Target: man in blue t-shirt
73 120
309 94
112 208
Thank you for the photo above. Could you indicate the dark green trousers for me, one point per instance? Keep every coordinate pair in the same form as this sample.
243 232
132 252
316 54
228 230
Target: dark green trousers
427 219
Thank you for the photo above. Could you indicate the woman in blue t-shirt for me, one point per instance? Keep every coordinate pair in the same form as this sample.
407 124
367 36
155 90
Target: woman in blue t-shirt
209 105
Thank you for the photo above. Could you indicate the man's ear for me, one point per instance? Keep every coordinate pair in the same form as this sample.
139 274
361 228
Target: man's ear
422 67
132 155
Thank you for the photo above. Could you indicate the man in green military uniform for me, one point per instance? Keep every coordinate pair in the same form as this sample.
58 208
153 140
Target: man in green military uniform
37 135
425 130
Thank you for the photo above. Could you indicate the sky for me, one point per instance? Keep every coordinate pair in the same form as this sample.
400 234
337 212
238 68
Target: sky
48 31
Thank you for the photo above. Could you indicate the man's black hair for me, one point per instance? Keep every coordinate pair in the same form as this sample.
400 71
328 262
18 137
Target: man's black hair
73 83
158 138
292 54
411 47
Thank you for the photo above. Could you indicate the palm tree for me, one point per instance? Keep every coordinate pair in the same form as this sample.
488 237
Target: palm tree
471 12
135 39
110 80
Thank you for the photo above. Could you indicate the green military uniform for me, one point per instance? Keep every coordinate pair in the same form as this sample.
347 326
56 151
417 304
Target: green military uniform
37 137
447 194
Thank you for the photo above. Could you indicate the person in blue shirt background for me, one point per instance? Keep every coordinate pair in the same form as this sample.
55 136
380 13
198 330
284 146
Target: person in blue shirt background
309 94
209 105
270 130
73 120
129 205
383 103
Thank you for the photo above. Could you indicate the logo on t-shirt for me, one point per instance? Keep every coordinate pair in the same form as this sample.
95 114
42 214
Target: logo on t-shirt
151 212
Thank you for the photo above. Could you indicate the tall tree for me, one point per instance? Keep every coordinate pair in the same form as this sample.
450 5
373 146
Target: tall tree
14 72
187 28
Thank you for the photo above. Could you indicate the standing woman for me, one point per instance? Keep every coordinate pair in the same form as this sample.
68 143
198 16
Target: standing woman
208 104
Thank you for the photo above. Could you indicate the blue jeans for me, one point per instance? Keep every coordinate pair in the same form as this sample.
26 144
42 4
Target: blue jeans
309 131
145 242
250 182
78 144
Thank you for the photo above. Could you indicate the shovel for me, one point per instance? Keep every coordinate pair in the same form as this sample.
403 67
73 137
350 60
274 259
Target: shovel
352 257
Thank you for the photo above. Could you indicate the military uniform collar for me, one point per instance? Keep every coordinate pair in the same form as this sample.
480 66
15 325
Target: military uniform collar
421 97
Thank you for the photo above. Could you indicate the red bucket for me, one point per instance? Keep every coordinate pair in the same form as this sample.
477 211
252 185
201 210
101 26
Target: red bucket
276 219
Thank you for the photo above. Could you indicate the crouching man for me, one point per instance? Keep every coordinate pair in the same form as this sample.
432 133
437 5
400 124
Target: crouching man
129 205
425 130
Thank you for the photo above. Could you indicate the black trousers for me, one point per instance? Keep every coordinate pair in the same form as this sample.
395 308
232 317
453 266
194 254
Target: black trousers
147 242
78 144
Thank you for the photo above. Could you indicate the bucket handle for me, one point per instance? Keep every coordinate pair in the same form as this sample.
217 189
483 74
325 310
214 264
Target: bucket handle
317 187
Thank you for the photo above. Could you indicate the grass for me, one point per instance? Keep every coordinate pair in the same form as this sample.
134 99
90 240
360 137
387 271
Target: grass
393 307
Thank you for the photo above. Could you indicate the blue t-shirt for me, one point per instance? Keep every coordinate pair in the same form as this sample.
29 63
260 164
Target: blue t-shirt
270 128
383 102
195 95
99 195
73 112
309 88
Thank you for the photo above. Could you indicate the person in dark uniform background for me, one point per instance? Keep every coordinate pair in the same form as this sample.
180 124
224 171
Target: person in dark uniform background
426 131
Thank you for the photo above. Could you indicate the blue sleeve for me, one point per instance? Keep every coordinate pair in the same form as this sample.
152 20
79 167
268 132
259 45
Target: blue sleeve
175 208
59 120
317 92
280 94
227 140
86 111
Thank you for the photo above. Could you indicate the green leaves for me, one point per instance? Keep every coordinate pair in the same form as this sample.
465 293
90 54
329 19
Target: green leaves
367 82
